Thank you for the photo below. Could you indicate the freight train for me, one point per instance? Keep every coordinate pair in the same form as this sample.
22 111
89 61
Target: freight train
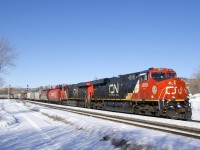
152 92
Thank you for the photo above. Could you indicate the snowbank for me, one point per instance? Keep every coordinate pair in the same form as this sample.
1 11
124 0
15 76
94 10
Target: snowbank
195 104
6 119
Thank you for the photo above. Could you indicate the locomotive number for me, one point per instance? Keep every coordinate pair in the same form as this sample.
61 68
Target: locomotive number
75 92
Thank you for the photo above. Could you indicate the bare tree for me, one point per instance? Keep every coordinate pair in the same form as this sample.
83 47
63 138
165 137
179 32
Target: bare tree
7 56
194 83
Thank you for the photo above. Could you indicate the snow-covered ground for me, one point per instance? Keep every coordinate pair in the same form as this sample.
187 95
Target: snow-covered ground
195 104
28 126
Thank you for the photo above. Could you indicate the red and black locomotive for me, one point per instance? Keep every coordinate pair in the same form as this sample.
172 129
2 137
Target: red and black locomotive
154 92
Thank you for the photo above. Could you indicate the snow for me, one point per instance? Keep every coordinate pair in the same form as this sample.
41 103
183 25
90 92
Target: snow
195 104
29 126
6 118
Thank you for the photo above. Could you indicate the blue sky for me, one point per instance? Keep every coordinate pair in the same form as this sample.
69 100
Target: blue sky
70 41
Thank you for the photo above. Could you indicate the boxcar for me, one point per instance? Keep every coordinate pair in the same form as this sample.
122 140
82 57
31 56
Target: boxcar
23 95
29 95
44 95
32 96
37 95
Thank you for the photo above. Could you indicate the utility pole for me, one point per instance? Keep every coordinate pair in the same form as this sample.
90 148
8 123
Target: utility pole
27 89
9 91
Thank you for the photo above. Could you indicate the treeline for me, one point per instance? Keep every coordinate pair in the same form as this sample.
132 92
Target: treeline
18 90
4 91
194 83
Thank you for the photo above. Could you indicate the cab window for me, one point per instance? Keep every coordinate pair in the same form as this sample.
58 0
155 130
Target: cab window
144 77
158 76
171 75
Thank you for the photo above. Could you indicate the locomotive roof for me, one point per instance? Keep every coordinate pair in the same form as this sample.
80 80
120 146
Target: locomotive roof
145 71
94 82
105 80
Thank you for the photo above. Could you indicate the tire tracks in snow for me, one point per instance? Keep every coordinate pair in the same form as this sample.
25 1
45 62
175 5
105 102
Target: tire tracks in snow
48 141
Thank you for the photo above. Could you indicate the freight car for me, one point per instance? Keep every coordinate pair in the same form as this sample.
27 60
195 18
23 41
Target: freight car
23 95
153 92
56 95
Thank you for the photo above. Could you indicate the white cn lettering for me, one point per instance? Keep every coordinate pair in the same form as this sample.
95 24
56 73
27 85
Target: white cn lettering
113 88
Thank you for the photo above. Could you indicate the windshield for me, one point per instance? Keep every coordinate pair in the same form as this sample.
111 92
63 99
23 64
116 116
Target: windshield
158 76
171 75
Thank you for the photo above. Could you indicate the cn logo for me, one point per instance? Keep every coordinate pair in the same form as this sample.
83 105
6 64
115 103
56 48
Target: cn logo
113 88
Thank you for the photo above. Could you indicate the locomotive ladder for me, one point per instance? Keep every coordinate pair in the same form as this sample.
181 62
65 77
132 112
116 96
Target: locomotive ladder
161 102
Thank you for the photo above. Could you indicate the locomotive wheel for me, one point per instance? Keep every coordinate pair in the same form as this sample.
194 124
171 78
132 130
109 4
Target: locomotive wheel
147 110
174 114
60 102
100 106
136 110
156 112
94 106
133 109
82 104
171 113
139 110
163 113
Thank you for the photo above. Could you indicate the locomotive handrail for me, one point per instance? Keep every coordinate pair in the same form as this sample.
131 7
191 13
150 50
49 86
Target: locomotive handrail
159 102
161 94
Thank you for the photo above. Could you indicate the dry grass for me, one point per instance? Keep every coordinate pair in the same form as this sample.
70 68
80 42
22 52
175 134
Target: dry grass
57 118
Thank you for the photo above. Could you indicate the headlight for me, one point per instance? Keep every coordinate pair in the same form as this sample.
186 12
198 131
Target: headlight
173 98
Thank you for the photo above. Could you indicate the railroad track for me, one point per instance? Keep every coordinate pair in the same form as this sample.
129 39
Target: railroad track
193 121
187 131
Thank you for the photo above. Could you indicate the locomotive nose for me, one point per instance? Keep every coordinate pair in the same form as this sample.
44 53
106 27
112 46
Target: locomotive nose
174 89
171 89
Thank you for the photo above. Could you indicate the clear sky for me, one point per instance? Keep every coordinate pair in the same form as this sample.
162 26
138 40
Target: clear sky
71 41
